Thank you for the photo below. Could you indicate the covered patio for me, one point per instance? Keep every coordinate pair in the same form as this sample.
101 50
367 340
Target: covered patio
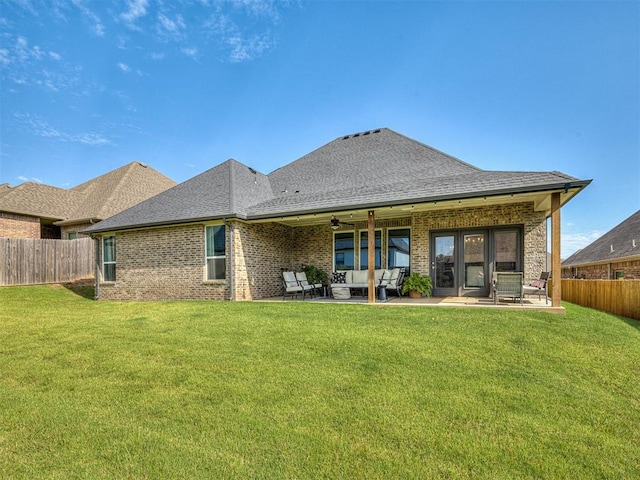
530 302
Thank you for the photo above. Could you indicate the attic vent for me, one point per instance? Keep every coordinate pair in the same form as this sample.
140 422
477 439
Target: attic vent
356 135
367 132
252 170
376 131
345 137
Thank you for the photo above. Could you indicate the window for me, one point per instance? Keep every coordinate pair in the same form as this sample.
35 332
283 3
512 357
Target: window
109 258
215 240
364 250
343 251
398 248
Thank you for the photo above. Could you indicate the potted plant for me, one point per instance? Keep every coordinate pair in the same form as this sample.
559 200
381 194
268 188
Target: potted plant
417 285
315 275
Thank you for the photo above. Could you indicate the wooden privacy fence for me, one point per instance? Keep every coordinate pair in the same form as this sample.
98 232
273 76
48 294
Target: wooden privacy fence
28 261
620 297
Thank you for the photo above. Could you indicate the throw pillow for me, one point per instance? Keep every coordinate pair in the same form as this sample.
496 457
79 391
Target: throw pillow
339 277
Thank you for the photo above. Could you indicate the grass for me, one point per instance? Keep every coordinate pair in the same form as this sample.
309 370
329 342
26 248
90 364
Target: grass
299 390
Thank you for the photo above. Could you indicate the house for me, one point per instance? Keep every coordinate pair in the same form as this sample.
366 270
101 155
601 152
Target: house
229 232
33 210
614 255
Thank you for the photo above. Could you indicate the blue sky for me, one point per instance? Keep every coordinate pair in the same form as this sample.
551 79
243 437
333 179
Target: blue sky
89 86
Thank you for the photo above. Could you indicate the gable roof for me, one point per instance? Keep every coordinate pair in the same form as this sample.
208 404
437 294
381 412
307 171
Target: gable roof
371 169
622 241
98 198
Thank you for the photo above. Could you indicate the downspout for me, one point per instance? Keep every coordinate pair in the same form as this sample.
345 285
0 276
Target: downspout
96 293
231 272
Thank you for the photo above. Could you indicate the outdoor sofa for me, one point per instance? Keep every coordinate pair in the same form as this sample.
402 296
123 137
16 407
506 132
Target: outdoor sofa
359 280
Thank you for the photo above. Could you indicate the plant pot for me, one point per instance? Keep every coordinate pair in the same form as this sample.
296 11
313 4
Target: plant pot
414 294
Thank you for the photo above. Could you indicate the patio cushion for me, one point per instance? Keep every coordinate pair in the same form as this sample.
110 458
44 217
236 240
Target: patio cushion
339 277
360 276
538 283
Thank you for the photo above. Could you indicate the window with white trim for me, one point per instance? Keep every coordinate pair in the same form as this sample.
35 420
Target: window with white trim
109 258
215 248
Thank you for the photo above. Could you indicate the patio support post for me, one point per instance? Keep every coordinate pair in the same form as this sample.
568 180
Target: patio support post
556 276
371 245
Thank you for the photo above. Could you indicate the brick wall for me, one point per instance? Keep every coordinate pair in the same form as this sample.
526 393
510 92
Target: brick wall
162 264
19 226
260 252
607 271
65 230
168 263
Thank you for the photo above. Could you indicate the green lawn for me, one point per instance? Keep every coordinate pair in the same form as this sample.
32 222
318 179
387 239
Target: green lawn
300 390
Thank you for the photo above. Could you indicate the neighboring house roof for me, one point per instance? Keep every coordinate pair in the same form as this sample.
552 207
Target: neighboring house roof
621 242
370 169
117 190
96 199
38 200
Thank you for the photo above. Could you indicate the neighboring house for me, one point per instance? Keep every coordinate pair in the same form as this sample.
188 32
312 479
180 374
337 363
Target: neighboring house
33 210
614 255
229 232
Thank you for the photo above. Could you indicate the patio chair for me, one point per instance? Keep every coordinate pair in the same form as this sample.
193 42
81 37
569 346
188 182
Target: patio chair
538 287
394 281
292 287
301 277
507 285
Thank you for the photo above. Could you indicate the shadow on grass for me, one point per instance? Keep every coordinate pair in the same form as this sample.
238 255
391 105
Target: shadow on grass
84 288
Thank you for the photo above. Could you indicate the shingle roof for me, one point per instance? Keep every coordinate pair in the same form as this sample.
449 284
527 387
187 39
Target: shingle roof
98 198
39 200
117 190
378 167
222 191
622 241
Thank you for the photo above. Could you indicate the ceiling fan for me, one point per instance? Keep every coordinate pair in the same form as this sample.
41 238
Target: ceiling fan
335 223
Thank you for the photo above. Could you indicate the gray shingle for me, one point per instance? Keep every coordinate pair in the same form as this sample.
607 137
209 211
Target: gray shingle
622 241
378 167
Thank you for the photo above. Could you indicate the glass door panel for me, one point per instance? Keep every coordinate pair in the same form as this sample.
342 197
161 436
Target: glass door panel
474 261
506 250
444 263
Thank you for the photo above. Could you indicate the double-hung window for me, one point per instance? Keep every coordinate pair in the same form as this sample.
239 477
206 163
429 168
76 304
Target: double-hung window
215 240
109 258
